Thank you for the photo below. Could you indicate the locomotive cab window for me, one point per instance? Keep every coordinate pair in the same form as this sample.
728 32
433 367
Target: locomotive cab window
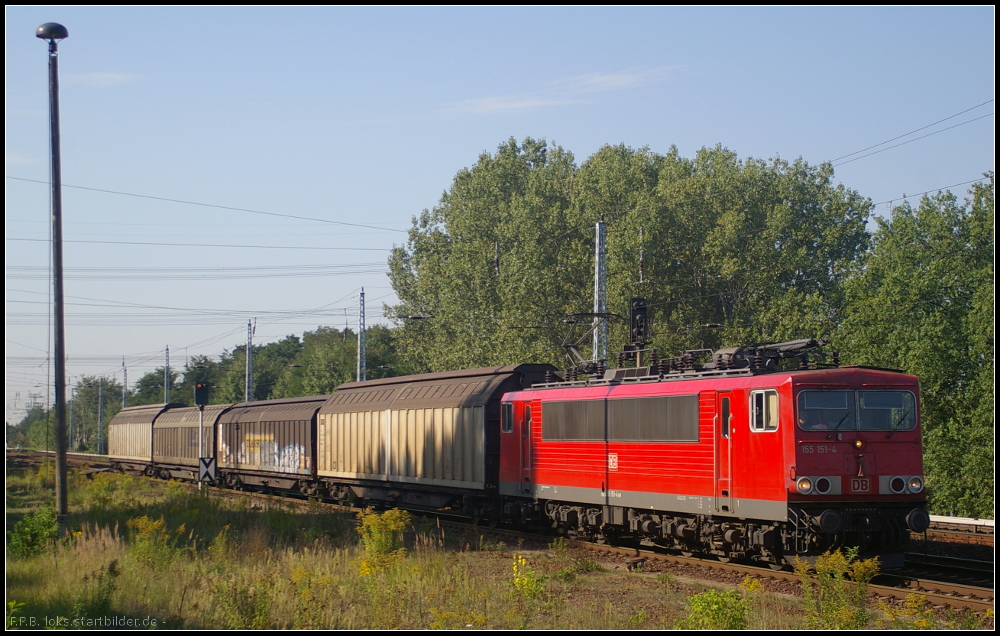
826 411
507 418
764 410
887 410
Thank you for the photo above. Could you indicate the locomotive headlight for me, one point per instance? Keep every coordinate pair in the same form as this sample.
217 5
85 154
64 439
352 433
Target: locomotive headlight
858 443
916 484
897 484
804 485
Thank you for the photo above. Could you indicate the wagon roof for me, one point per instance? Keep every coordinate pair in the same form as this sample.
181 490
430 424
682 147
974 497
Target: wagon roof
466 387
188 416
283 410
143 414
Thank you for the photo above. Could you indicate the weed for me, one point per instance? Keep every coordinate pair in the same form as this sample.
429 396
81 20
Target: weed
917 613
637 620
152 545
526 582
33 533
12 611
567 565
382 537
667 578
835 596
243 605
97 601
715 609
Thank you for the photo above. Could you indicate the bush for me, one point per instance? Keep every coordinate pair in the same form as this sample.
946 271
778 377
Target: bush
33 533
716 609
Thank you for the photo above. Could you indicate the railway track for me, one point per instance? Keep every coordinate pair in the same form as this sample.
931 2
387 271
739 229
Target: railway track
959 530
942 581
939 594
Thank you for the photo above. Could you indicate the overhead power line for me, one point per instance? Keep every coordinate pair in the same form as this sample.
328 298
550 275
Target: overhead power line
32 272
908 141
910 196
882 143
211 205
258 247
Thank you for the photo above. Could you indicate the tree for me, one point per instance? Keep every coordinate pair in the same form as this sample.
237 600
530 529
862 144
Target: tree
35 430
922 301
149 388
95 402
758 246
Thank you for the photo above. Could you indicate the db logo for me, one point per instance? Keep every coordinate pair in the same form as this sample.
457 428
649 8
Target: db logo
612 461
860 484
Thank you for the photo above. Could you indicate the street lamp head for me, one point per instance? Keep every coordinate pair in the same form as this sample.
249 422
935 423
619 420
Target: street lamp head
52 31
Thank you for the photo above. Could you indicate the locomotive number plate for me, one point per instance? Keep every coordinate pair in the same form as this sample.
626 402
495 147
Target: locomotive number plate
860 484
821 448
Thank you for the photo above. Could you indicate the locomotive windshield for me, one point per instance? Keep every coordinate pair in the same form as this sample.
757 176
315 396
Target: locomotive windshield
856 410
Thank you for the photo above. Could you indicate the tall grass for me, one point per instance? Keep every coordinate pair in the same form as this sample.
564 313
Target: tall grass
147 550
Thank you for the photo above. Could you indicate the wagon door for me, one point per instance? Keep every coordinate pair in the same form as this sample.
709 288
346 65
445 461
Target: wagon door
723 451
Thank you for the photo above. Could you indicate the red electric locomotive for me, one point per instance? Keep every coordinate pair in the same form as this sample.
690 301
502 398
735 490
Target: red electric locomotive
734 458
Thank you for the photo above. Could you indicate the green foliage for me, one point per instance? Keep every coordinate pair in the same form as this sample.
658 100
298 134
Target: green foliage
525 581
835 592
382 537
243 604
99 595
760 246
152 544
11 613
918 613
715 609
33 431
922 301
33 533
149 388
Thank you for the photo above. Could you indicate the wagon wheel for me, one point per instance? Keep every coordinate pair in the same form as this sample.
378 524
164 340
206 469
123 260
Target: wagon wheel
724 559
687 553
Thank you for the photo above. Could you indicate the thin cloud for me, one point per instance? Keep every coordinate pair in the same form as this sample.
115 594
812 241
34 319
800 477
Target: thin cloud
17 160
488 105
600 82
568 90
101 80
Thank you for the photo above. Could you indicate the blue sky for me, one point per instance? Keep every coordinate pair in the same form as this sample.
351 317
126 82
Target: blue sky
364 115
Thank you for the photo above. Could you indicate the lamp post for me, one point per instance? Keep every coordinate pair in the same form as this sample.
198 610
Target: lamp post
53 33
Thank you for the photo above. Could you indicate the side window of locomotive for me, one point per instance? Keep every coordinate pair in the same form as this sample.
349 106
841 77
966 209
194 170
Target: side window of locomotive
580 420
887 410
671 418
507 418
826 411
764 410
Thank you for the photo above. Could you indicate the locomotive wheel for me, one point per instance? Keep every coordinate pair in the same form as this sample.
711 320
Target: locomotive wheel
723 559
685 553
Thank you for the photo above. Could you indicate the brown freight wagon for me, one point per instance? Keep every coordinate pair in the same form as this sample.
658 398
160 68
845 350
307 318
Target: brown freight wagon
269 443
429 440
175 440
130 437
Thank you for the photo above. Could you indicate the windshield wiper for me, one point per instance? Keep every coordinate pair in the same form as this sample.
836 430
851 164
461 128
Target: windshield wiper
896 424
837 427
